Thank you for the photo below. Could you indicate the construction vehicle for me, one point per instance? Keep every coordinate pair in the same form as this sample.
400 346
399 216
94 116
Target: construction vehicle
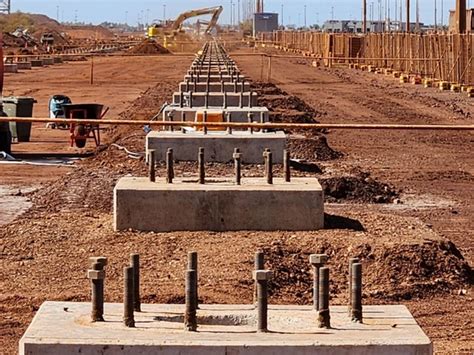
170 32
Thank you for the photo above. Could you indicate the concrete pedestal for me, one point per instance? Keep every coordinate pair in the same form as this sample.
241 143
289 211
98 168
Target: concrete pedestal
24 65
10 68
217 99
214 78
219 205
219 146
176 113
214 87
64 328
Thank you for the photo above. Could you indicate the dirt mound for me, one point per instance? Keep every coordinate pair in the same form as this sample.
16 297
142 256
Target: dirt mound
148 47
359 188
390 272
312 148
89 32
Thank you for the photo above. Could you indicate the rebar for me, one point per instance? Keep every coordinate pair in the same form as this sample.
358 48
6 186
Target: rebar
349 279
356 299
324 317
151 165
237 166
286 165
135 264
169 166
193 265
97 275
201 163
128 302
190 315
269 167
204 119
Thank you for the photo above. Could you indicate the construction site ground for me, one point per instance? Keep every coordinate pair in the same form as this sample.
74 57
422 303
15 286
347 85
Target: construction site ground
416 250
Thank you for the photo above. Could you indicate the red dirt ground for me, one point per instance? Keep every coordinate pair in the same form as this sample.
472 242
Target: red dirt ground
417 252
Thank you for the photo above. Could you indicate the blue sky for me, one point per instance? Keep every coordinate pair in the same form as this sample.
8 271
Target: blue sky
97 11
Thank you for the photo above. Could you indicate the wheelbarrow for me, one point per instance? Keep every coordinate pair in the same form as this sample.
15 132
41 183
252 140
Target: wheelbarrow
81 132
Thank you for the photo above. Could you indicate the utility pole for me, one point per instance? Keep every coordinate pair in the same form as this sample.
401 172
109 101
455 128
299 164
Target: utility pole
164 14
408 28
417 16
461 14
282 15
364 20
436 15
238 12
305 23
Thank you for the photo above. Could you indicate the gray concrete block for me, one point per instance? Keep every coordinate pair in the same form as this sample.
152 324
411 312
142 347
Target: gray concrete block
10 68
48 61
24 65
222 330
214 78
218 205
218 146
188 114
217 99
213 87
36 63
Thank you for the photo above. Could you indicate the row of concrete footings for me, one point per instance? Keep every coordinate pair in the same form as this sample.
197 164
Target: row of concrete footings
214 90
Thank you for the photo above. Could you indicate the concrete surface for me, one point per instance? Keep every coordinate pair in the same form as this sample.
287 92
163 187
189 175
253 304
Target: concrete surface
175 113
217 99
219 205
218 146
61 328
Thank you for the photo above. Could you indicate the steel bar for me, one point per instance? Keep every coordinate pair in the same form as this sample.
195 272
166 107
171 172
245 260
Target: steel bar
190 315
169 166
288 126
193 265
356 301
286 165
128 317
151 165
201 163
324 318
135 264
97 275
352 261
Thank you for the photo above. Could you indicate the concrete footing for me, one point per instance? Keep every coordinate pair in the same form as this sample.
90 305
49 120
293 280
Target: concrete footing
175 113
217 99
48 61
10 68
218 146
36 63
218 205
24 65
65 328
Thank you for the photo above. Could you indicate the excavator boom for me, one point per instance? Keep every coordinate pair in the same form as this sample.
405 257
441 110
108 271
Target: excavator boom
214 11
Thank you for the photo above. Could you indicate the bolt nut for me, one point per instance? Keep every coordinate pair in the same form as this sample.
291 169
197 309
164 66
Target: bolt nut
98 259
96 274
262 275
237 155
318 259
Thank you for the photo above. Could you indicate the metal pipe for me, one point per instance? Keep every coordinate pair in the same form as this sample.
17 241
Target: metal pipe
135 264
128 317
286 126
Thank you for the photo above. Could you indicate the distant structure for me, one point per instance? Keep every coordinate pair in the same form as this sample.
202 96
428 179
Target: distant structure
352 26
469 21
5 6
264 21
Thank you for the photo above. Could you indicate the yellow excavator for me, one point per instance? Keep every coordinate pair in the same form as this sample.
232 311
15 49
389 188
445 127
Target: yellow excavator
170 32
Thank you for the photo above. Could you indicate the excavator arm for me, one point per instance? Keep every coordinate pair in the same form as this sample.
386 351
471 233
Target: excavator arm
214 11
